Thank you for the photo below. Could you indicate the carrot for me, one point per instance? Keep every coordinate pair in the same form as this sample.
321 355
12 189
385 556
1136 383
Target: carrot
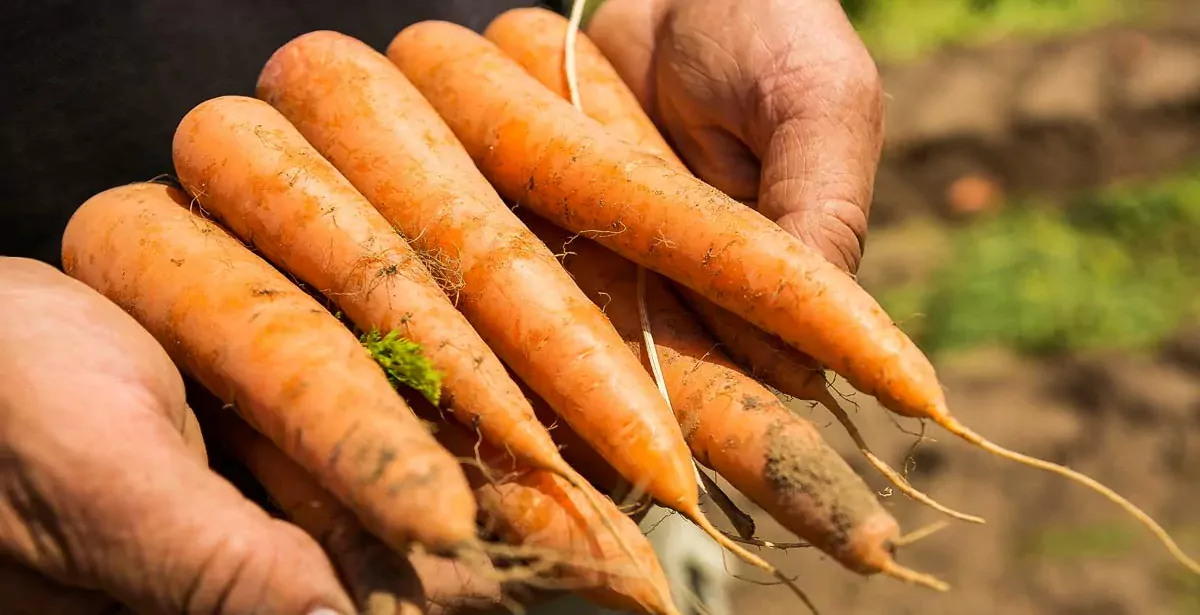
255 340
535 509
245 163
568 169
383 582
733 424
346 99
535 38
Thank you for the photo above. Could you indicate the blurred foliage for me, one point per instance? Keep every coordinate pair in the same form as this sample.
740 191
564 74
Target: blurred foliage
1115 269
900 29
1077 542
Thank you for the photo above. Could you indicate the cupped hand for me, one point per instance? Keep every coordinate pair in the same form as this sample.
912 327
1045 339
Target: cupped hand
775 102
103 478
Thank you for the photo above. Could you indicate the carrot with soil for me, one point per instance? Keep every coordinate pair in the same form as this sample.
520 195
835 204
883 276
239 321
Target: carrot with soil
346 98
567 168
252 169
292 370
535 37
735 425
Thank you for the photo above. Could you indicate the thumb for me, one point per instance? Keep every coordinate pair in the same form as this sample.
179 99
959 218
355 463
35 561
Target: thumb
198 546
147 522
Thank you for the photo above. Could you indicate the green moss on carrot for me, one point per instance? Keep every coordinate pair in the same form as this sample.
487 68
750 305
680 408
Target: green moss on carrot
404 363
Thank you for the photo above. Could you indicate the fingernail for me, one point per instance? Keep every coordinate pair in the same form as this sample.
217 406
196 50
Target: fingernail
324 611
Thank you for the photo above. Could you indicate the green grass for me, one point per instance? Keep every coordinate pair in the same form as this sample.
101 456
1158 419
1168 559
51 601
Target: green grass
898 30
1079 542
1115 269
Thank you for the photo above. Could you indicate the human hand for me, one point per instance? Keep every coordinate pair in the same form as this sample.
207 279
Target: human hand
104 478
776 103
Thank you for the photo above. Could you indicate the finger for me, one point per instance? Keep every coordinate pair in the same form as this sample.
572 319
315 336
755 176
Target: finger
216 551
818 127
98 487
452 588
166 535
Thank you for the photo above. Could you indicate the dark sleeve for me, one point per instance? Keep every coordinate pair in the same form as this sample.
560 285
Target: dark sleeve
93 90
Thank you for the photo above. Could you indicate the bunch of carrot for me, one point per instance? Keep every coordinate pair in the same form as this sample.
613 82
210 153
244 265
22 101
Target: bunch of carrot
340 266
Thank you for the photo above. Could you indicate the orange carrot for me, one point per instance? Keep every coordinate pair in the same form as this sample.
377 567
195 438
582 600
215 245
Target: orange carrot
535 37
251 168
254 339
383 581
347 100
567 168
733 424
535 509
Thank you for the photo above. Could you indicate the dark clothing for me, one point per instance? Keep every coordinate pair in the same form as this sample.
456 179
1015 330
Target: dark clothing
91 92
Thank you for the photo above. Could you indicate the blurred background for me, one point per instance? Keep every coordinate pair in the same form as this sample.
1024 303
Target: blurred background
1036 228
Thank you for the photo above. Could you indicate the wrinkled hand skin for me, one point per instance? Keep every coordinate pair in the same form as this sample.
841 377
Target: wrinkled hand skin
104 484
775 102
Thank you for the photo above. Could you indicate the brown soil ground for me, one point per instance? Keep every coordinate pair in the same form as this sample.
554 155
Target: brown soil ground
1049 117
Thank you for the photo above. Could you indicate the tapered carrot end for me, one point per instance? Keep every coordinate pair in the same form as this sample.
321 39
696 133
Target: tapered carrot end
952 425
826 400
894 570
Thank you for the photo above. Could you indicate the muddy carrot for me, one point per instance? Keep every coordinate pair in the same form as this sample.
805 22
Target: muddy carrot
347 100
537 510
785 370
246 164
292 370
733 424
534 37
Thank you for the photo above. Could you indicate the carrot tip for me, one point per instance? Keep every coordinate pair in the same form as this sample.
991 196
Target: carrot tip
886 470
953 426
909 575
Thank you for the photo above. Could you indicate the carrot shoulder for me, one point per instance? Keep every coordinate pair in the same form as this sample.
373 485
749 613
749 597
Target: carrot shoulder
566 167
252 169
361 113
292 370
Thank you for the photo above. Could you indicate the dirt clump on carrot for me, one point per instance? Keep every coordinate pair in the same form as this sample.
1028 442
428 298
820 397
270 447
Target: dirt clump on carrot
293 371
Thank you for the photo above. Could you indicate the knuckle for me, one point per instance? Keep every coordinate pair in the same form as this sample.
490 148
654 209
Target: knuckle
233 578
